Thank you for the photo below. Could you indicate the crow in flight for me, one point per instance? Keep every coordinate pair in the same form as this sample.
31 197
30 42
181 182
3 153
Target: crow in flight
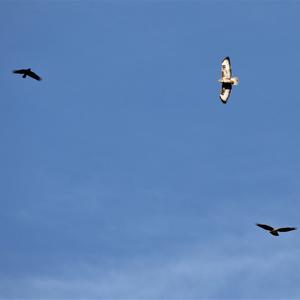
27 72
274 231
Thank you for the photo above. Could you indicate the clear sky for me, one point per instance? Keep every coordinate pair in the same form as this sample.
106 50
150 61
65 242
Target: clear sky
122 173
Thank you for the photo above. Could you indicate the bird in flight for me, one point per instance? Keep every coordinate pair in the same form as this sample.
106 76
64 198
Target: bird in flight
27 72
274 231
227 80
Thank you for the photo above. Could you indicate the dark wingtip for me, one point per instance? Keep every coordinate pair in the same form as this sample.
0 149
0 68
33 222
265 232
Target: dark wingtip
224 102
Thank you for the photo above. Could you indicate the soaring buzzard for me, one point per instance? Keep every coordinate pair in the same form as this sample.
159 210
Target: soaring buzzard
27 72
226 80
275 231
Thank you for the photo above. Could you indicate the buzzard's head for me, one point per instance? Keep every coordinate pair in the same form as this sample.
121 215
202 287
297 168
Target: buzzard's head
235 80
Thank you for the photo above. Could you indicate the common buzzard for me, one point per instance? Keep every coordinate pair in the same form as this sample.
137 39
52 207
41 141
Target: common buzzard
227 80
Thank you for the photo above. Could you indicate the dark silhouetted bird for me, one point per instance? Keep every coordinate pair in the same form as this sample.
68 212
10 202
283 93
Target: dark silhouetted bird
27 72
274 231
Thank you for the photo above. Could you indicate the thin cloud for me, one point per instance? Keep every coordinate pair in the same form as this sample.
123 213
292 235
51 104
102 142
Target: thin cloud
241 271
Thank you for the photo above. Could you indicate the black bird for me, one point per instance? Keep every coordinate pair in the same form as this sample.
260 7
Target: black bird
274 231
27 72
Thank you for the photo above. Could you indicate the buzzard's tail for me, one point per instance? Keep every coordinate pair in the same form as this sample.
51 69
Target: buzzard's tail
24 76
274 232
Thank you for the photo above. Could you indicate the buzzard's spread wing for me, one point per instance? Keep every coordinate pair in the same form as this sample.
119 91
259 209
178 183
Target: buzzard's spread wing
285 229
22 71
225 92
266 227
226 68
33 75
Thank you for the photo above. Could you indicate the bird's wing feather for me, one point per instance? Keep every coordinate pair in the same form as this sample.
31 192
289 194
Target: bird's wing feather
264 226
226 68
225 92
33 75
21 71
285 229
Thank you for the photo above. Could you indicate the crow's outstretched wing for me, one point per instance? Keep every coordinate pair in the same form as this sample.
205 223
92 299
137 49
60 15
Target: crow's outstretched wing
285 229
33 75
21 71
226 68
266 227
225 91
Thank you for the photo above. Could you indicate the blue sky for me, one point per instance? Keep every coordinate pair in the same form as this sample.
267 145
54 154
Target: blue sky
123 175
